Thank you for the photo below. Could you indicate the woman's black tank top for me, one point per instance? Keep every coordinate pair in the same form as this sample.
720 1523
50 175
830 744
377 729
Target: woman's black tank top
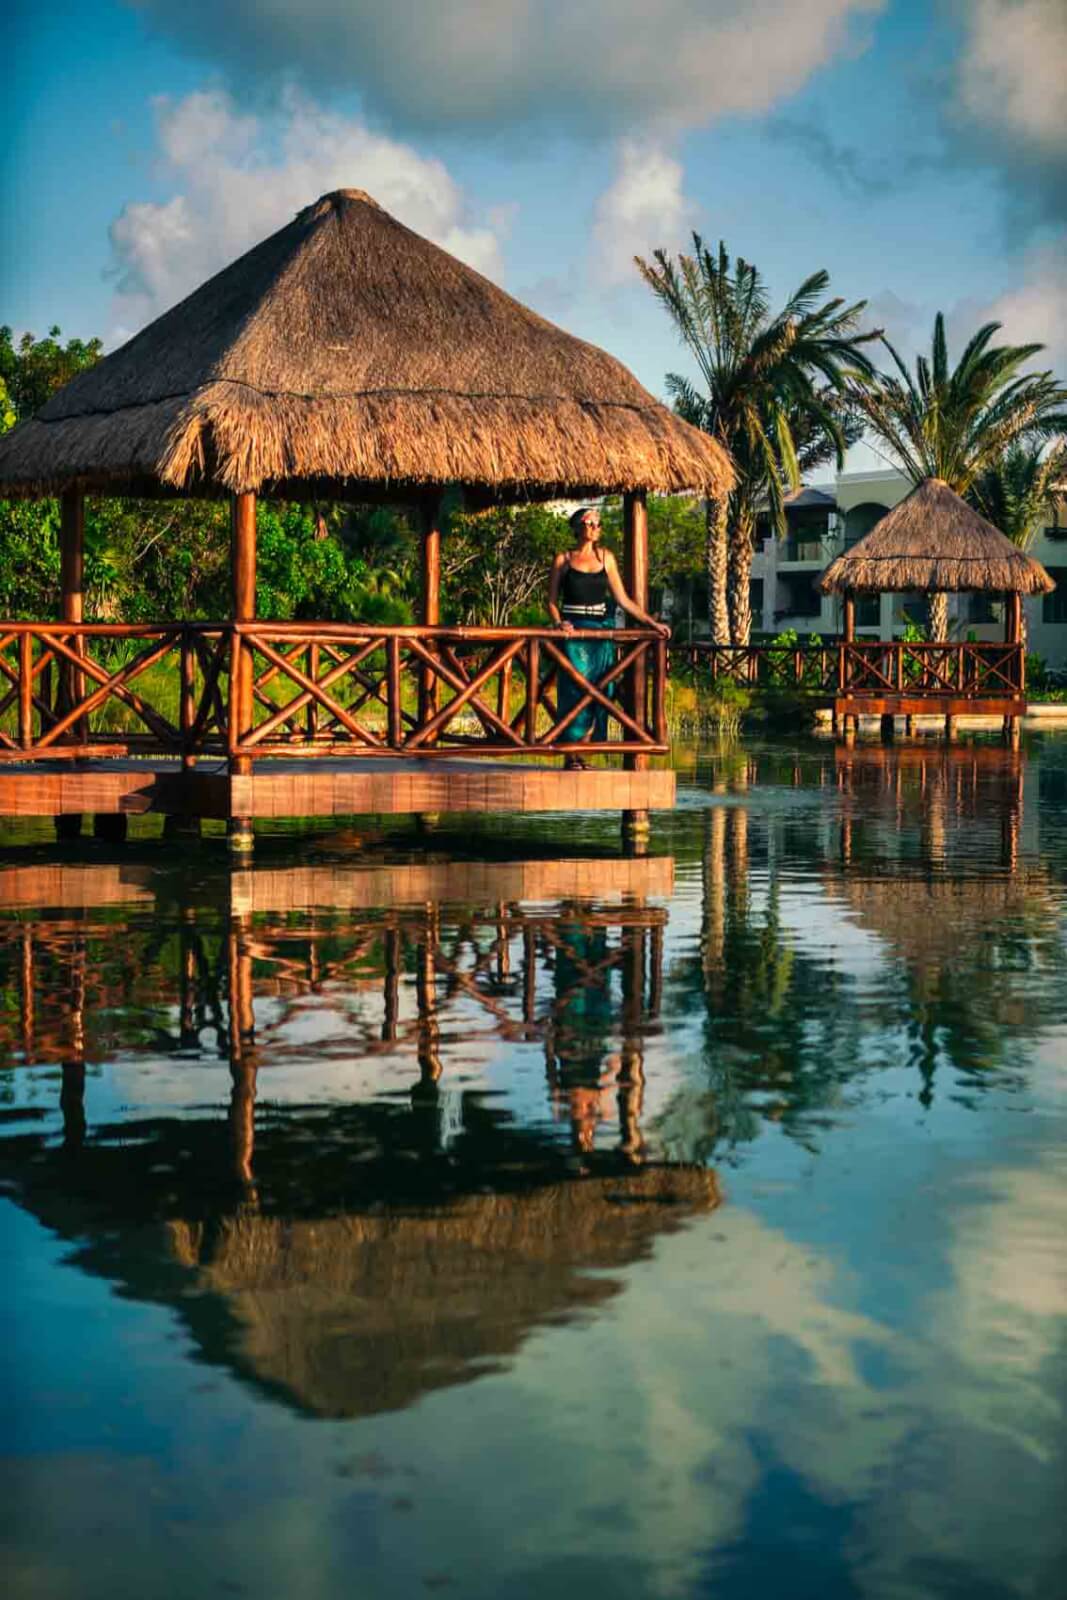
584 591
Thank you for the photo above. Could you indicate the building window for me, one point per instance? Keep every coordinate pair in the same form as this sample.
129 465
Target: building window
981 607
1057 533
801 596
806 539
868 610
860 520
755 598
1054 605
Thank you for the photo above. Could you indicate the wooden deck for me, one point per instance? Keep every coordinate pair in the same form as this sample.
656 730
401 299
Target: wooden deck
321 788
256 891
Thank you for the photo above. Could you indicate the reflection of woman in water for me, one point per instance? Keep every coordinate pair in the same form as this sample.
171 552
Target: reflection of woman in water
581 1076
583 590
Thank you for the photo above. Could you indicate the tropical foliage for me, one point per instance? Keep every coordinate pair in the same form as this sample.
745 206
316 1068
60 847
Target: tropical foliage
1018 493
961 423
774 389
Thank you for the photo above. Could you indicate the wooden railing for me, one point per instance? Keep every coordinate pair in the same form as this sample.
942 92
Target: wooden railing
922 669
75 690
71 690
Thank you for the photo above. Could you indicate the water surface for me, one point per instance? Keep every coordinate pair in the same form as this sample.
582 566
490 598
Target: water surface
492 1214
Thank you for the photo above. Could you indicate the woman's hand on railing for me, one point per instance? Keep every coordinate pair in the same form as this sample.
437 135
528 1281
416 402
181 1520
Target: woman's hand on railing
662 628
564 626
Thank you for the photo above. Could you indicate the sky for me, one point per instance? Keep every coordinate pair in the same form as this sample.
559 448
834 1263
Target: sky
916 149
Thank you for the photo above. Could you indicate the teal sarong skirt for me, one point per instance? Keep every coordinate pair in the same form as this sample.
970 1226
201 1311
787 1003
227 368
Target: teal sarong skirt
593 658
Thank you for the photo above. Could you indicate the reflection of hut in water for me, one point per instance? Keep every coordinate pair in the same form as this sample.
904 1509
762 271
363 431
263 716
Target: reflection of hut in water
930 921
961 804
96 959
360 1314
355 1278
967 949
347 1257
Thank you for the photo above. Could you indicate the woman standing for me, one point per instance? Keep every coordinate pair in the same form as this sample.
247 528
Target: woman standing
583 590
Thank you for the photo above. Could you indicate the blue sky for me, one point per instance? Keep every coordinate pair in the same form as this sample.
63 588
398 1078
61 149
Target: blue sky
916 150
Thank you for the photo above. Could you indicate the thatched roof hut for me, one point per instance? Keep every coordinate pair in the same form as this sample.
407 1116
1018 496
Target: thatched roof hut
355 1315
349 354
934 541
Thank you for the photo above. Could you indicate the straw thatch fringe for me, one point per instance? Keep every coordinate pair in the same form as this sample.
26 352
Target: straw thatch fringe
346 348
935 542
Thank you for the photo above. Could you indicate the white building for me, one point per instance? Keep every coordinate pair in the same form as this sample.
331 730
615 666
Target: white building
824 520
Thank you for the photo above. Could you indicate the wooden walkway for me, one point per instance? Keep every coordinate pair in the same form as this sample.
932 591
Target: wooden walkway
338 786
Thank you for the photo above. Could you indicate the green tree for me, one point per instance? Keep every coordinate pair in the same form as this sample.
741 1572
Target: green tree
1019 493
496 563
34 368
676 541
957 423
764 377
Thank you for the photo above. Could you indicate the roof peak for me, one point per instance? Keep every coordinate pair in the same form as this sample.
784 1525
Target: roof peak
334 199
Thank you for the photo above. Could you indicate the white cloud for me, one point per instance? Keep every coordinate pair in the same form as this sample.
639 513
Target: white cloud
643 207
1037 309
240 177
1011 69
1008 101
602 65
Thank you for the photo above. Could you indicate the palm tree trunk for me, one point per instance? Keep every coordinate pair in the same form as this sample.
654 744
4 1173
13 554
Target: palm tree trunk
939 617
716 560
740 574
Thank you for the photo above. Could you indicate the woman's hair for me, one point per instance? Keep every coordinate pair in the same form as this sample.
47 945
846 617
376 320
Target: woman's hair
577 518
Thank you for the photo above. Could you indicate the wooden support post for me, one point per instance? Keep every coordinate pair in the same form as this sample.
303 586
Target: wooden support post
72 556
1013 619
430 601
187 707
243 1069
72 1104
393 693
529 975
950 729
72 1094
533 688
26 691
188 1033
72 601
243 608
428 1037
391 998
312 714
635 576
632 1066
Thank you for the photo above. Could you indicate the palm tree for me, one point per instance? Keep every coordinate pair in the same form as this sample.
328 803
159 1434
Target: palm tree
957 424
1019 492
764 377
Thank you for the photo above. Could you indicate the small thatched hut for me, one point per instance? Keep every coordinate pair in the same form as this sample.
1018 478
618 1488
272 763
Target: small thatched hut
935 542
348 353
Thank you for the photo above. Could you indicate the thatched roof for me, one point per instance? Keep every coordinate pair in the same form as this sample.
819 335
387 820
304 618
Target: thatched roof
942 923
348 353
934 541
354 1315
